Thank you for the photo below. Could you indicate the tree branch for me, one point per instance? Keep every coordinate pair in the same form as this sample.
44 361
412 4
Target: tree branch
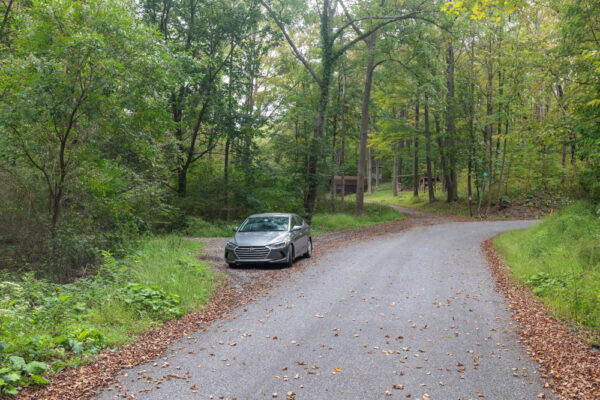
364 35
297 53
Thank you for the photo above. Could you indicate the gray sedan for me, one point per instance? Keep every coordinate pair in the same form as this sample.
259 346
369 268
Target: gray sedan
274 238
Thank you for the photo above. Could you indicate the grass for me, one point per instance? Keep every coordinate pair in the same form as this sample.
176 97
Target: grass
170 262
460 208
198 227
323 223
64 325
559 259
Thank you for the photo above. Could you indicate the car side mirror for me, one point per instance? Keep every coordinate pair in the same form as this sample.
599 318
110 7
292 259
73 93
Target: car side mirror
235 228
296 228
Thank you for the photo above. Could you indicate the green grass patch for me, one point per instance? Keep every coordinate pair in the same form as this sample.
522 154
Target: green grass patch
198 227
383 194
45 326
559 259
373 214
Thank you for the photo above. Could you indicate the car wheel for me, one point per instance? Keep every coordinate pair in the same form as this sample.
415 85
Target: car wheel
290 260
308 249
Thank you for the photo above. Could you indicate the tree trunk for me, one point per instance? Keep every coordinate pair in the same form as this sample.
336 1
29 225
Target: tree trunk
501 172
452 186
343 122
377 173
369 171
428 152
489 126
226 178
416 153
364 125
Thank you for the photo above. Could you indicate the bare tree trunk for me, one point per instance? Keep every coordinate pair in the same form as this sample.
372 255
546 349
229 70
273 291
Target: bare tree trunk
452 184
333 163
489 127
369 171
395 177
416 153
471 131
226 178
501 172
428 152
377 172
343 122
364 125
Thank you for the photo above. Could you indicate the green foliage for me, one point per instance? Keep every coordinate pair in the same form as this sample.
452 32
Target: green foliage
157 302
45 324
373 214
559 259
198 227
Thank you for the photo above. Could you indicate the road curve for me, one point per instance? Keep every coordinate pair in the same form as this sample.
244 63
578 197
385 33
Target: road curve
408 313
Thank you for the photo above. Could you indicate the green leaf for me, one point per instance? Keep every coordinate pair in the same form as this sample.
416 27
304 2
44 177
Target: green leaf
17 362
40 379
13 377
35 368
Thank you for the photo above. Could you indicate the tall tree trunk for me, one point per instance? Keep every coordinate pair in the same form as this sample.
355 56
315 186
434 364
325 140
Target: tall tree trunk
471 131
333 163
364 125
377 172
400 165
498 205
369 171
226 178
452 186
395 176
428 152
343 122
489 128
313 160
443 163
416 153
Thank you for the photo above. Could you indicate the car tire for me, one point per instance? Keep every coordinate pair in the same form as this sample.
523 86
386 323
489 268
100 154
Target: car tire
290 260
308 253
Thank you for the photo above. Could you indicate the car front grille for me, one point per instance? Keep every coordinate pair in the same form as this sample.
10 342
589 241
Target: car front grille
252 252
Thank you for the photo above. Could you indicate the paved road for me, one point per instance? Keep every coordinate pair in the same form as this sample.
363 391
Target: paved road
415 309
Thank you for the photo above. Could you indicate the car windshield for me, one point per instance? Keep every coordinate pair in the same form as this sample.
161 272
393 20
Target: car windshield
265 224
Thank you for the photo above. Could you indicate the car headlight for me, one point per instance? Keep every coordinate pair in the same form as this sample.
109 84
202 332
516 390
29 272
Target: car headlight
231 245
280 245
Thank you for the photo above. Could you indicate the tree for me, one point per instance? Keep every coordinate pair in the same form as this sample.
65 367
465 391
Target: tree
329 39
79 88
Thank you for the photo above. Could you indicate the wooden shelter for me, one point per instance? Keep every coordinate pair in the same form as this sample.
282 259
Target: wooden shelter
349 183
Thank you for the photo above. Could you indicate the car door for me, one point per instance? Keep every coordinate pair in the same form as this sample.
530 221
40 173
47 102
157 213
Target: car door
300 237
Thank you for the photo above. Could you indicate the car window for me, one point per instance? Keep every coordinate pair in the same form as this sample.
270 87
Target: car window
265 224
297 221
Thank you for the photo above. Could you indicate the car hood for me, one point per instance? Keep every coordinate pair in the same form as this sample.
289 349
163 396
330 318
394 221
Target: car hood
259 238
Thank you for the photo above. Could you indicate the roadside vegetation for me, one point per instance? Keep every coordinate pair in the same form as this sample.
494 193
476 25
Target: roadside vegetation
373 214
559 259
525 204
322 222
45 327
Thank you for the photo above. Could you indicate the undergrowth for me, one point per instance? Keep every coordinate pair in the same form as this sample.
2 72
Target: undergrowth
45 327
373 214
559 259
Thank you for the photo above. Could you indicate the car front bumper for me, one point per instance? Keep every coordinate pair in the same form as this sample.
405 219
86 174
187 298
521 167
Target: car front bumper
256 255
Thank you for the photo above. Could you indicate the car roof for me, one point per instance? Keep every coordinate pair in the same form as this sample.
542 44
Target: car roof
272 215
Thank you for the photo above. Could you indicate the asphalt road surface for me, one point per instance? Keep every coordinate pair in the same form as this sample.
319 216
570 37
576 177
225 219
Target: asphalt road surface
411 314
